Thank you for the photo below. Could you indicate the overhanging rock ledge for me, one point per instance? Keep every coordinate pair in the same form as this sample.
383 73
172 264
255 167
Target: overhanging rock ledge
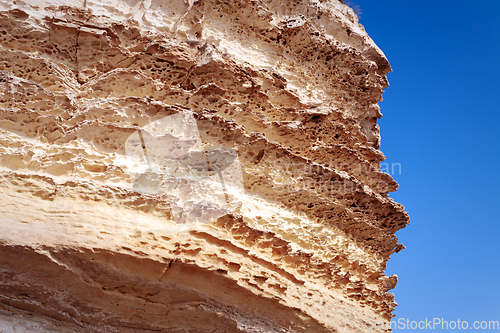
192 166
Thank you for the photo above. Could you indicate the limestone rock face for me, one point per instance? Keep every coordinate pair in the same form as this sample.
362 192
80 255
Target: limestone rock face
192 166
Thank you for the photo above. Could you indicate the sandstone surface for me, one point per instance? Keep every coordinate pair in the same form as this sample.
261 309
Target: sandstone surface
192 166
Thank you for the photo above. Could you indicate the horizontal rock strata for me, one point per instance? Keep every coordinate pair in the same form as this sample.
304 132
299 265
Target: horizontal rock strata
192 166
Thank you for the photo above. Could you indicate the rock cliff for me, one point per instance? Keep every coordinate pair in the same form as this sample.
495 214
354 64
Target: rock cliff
192 166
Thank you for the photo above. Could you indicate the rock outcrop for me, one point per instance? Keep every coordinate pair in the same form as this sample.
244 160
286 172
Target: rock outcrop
192 166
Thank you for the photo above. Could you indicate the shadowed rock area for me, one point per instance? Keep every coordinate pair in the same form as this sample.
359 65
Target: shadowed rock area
192 166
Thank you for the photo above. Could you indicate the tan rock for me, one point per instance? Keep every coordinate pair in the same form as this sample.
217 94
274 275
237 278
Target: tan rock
192 166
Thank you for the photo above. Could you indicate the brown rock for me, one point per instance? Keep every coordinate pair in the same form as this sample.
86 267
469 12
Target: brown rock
192 166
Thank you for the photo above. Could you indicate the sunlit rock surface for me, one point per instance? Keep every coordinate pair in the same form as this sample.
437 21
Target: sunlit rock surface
192 166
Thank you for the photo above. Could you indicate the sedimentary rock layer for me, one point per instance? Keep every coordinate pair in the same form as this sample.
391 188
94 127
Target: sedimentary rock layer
192 166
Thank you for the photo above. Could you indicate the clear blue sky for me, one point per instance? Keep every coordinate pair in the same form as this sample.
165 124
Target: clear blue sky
442 123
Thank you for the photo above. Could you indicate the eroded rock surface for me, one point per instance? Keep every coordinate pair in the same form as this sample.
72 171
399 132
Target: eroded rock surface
192 166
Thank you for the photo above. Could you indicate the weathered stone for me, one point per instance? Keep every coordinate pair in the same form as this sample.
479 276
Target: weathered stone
192 166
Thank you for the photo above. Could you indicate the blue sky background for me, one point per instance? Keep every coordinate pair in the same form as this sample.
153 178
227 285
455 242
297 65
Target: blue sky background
442 123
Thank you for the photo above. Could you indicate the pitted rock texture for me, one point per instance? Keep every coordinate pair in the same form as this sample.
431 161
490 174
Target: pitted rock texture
274 148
